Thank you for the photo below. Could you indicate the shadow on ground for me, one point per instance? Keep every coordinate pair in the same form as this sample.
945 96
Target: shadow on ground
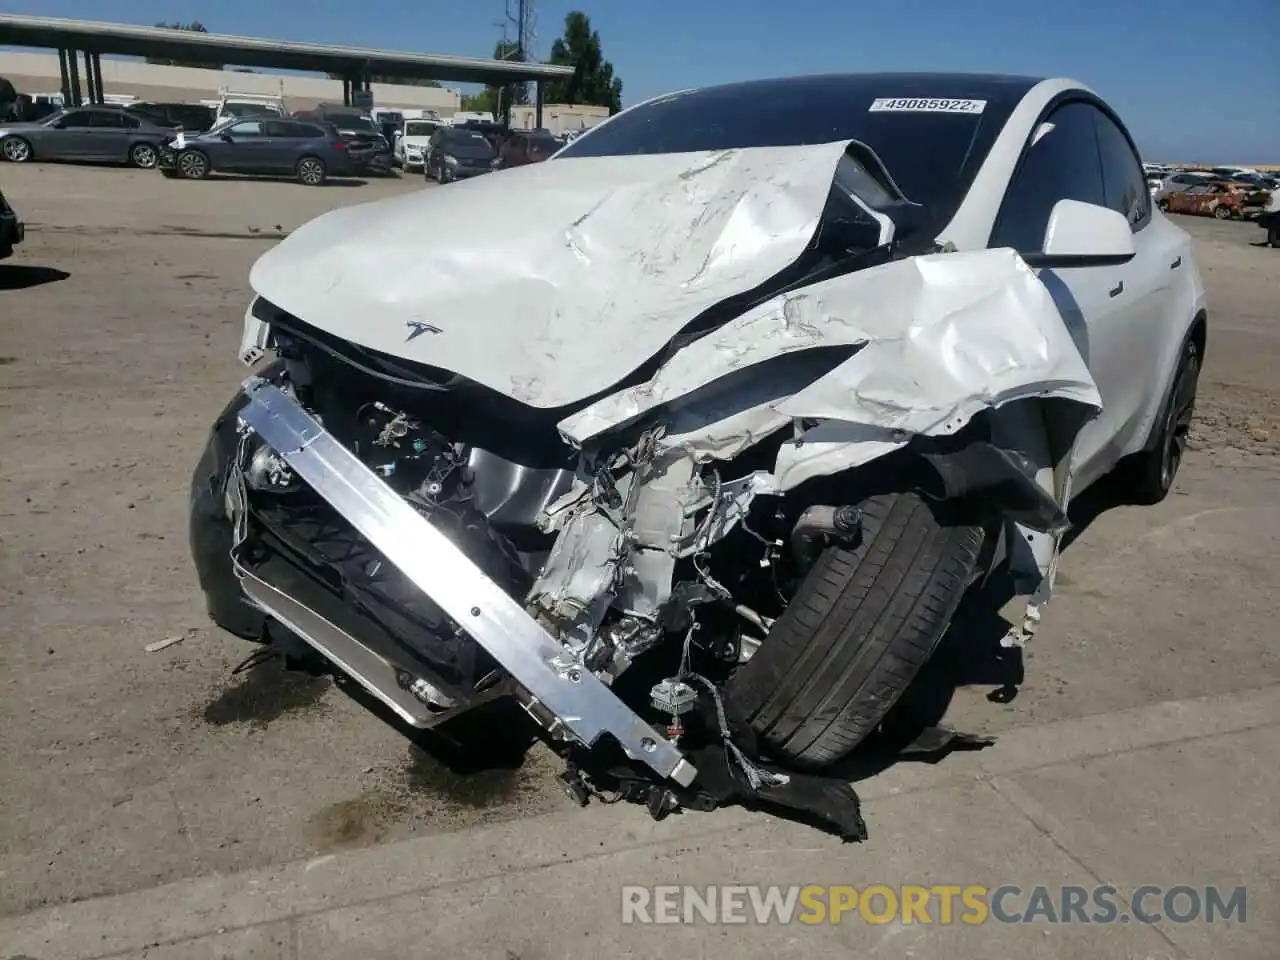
255 178
263 693
19 277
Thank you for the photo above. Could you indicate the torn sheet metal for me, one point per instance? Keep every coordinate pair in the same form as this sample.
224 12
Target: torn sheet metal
553 281
939 338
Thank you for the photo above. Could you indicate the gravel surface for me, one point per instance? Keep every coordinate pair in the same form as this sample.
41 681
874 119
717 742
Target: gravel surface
124 768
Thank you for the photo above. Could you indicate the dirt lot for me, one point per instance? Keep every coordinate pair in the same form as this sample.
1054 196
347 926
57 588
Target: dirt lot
123 769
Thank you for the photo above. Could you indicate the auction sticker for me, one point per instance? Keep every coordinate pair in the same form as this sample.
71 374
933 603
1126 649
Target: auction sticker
925 105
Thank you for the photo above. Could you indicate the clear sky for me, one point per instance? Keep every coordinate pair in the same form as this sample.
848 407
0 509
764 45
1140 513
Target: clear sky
1195 80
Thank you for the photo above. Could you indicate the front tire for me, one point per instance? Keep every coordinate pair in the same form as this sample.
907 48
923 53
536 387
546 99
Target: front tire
16 149
1222 212
193 165
858 630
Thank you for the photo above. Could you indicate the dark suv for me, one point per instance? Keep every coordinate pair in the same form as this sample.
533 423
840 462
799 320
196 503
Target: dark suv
307 151
455 153
191 117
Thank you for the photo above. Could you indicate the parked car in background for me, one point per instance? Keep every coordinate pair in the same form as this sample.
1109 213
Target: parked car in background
86 133
496 133
411 143
458 154
11 229
310 152
1182 180
360 132
1218 198
523 148
190 117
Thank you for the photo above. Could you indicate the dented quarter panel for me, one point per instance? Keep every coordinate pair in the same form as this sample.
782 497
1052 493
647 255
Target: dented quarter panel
941 337
552 282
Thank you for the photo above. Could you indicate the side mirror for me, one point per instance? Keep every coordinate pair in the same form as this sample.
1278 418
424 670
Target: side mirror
226 138
1084 235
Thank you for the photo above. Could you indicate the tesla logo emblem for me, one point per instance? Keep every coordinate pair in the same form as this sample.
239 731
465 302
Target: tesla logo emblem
417 328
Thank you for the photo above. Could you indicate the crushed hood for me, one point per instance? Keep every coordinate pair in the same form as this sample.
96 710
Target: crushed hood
553 281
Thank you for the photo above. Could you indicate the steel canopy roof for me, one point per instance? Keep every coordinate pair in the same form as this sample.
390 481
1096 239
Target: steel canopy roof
126 39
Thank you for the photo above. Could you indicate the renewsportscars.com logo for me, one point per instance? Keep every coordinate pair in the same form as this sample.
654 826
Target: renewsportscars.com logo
970 905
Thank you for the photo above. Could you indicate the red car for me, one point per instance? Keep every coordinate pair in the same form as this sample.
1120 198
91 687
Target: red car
522 148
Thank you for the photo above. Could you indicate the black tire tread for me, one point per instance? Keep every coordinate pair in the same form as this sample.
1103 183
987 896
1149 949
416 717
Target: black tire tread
857 632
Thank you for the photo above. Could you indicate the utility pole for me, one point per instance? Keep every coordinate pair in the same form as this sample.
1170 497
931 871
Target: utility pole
521 19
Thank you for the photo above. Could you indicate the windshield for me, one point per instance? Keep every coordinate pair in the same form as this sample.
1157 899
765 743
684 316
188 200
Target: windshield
931 131
422 129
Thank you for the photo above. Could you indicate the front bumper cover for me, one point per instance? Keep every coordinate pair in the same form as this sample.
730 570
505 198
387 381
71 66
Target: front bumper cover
584 706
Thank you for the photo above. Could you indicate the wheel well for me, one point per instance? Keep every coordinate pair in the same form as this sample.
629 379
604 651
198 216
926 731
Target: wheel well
1199 333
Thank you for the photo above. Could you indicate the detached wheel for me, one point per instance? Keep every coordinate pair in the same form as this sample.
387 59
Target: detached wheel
193 165
144 156
311 171
15 149
1148 476
860 627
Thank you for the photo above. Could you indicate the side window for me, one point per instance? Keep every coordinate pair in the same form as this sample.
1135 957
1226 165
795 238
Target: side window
107 118
1122 172
1061 163
130 123
246 128
77 118
280 128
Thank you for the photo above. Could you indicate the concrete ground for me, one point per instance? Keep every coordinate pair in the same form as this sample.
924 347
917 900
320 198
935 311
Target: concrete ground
156 798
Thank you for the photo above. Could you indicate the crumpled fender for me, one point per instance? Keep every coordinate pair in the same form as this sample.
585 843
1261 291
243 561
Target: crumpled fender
930 341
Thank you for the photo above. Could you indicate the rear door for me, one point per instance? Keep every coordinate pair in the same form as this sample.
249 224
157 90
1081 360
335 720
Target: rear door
284 139
106 139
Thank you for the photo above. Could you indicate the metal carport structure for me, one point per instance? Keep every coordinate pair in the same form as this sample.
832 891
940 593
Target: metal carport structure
355 65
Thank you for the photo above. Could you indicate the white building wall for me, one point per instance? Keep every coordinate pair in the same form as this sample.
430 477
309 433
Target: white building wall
559 117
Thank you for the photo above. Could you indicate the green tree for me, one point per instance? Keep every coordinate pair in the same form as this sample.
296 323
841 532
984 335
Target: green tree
195 26
593 81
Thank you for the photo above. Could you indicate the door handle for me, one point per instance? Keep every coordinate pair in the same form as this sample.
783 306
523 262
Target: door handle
1117 289
1176 264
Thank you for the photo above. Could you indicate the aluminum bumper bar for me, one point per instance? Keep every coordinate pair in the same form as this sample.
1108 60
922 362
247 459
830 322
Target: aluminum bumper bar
578 699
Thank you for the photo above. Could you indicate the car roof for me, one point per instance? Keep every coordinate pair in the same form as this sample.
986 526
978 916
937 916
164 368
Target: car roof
976 86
